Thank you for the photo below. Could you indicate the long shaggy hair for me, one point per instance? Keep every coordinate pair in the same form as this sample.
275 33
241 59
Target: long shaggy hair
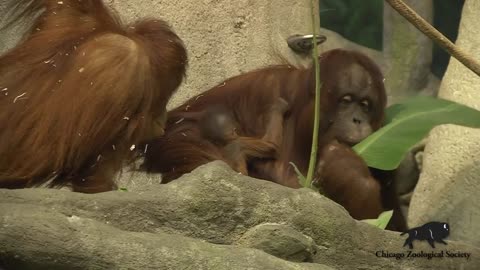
81 89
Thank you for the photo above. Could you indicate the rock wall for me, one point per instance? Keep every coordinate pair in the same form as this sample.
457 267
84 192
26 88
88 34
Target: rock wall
407 51
223 38
450 181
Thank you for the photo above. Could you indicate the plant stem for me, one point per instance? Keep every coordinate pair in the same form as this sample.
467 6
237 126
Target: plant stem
316 123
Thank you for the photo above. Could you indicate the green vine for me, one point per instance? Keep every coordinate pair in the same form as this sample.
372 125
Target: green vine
316 123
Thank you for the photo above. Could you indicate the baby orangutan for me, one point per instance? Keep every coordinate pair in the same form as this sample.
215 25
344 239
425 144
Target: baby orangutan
213 135
219 127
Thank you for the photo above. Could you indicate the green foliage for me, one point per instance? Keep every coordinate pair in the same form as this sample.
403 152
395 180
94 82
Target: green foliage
382 220
406 124
301 178
316 120
124 189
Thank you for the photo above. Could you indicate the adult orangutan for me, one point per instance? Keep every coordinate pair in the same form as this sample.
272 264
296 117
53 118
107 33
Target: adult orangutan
353 100
80 91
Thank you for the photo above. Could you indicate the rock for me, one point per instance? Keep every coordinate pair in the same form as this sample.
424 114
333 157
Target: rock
407 51
155 228
280 241
406 175
74 242
11 35
132 179
225 38
449 184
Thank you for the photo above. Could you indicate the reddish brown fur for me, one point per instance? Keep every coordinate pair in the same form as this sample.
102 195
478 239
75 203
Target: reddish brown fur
79 91
249 97
212 135
343 176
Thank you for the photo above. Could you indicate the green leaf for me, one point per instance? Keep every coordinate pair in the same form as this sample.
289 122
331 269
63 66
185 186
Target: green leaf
382 220
408 123
123 189
301 178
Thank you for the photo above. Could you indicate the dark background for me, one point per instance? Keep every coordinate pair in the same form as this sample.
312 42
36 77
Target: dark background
362 23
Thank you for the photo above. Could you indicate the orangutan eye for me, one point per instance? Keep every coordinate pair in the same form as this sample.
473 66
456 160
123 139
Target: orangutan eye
346 99
365 103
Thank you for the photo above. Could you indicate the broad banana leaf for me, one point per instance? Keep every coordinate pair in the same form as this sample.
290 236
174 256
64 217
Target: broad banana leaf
409 122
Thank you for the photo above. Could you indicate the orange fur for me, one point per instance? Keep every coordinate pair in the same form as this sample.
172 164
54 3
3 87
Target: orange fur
200 137
249 97
79 90
344 177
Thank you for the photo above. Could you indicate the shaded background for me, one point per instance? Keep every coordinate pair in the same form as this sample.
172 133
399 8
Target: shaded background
362 23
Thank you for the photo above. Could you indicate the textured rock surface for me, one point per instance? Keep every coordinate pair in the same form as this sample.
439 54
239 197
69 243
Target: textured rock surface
450 182
73 242
407 51
154 228
225 38
281 241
